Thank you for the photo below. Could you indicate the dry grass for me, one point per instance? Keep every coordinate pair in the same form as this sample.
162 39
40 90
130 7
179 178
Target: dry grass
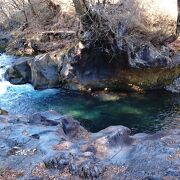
10 174
61 15
150 19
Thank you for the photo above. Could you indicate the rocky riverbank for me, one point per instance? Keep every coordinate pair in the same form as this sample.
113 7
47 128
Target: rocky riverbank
112 56
131 53
87 68
51 146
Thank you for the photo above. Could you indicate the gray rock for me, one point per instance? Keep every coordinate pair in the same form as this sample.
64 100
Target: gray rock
40 151
58 161
41 72
44 72
48 118
3 112
4 40
94 68
70 126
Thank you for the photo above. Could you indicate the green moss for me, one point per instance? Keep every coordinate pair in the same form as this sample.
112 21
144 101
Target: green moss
20 53
3 112
2 48
139 79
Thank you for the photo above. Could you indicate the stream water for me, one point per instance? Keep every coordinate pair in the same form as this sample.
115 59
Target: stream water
148 112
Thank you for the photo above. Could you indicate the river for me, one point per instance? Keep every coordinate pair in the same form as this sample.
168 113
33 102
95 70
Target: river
146 112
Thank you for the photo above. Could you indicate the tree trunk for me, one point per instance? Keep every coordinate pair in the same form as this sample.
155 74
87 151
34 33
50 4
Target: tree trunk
178 20
4 13
32 8
82 9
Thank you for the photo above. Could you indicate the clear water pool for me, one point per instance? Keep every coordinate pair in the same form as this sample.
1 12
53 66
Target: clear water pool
149 112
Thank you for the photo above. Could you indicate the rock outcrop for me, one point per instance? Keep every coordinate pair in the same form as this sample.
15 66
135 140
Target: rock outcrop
130 54
44 72
25 44
52 146
20 72
93 68
41 72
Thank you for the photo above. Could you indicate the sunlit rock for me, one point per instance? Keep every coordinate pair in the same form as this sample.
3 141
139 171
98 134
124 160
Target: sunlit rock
44 72
154 20
41 72
109 154
20 72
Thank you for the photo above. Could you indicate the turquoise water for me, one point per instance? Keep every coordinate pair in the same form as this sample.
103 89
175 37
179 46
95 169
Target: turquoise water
149 112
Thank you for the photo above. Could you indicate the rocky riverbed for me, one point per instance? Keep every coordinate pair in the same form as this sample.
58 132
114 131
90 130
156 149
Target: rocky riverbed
48 145
133 55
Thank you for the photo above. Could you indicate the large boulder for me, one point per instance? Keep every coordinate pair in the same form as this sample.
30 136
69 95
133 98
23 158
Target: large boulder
41 72
20 72
54 148
95 69
123 46
44 72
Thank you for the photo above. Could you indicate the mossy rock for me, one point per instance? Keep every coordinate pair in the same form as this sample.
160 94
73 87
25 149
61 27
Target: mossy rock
3 112
2 48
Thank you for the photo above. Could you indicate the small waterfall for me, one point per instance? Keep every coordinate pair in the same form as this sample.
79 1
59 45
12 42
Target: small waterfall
3 84
2 73
5 62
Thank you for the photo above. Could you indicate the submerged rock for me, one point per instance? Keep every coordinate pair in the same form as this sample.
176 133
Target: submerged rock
109 154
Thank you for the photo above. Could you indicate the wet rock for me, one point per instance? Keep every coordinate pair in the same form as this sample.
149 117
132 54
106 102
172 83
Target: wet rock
48 118
20 72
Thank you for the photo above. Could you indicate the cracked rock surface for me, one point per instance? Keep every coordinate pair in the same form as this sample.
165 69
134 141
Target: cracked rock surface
48 145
